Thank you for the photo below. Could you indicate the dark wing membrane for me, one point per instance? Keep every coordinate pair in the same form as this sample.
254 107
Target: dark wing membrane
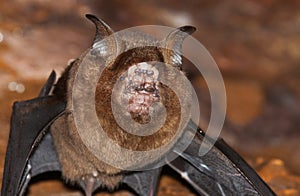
45 91
44 159
219 172
29 123
30 152
143 182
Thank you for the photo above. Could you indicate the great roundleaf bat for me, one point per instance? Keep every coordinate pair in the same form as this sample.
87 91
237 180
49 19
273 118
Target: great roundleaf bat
43 136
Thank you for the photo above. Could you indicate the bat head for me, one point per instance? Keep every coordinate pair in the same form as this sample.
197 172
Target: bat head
141 85
134 98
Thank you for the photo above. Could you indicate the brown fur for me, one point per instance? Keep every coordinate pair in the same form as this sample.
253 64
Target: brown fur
104 111
76 159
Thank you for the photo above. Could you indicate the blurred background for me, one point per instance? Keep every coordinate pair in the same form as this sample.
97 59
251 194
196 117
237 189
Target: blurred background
256 44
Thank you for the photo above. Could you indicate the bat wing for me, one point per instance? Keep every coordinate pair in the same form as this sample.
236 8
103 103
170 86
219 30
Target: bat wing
143 182
219 172
30 150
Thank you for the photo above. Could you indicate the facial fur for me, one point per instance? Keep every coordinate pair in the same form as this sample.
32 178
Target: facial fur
141 91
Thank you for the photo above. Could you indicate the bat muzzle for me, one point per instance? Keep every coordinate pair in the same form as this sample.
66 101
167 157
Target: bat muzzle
141 91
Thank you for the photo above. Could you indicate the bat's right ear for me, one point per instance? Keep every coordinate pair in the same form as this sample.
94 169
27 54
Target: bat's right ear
173 45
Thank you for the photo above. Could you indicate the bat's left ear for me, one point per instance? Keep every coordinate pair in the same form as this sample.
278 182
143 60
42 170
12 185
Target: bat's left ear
105 43
172 45
102 29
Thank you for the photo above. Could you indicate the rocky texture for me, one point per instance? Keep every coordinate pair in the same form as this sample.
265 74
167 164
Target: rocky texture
255 43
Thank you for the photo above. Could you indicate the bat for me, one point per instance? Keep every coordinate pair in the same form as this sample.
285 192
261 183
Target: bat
44 136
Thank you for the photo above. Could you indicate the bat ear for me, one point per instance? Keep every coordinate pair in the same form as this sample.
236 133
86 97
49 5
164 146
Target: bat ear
103 32
172 45
102 29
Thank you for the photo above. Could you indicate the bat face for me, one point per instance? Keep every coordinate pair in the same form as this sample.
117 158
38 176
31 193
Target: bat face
141 91
136 74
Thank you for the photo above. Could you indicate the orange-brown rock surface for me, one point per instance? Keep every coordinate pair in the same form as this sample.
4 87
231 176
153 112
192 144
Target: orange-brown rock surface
255 43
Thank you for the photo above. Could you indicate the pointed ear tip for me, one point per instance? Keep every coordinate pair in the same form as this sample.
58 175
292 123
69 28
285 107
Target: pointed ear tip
188 29
91 17
53 72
